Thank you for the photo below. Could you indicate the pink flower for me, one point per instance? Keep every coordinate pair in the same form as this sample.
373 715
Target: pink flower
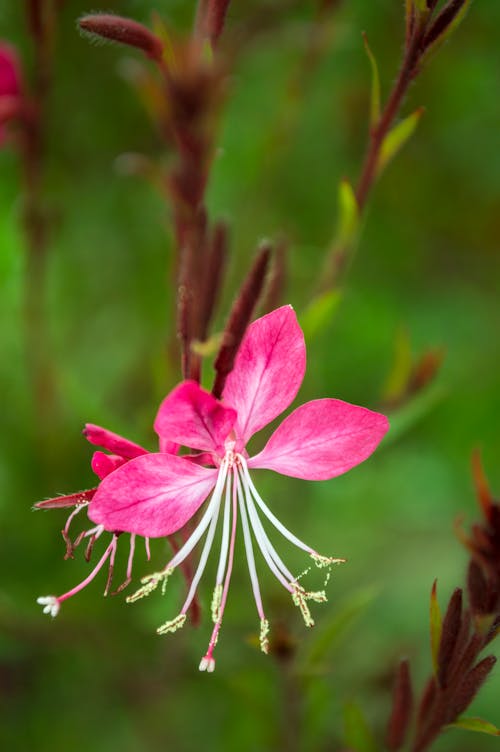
156 494
10 86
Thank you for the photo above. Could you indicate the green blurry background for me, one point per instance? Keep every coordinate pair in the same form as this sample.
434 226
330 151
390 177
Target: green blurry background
98 677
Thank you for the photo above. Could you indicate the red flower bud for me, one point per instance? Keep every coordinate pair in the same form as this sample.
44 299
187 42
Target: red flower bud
124 31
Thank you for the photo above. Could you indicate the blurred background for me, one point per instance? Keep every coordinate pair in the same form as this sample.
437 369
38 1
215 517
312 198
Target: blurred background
425 279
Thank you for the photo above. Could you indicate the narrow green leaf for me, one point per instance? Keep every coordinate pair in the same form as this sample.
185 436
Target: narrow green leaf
375 93
357 733
319 313
348 216
421 6
397 138
399 375
476 724
436 625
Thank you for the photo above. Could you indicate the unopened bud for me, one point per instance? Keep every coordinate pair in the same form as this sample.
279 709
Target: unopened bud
124 31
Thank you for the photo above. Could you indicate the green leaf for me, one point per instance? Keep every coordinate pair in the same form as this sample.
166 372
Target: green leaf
399 375
357 733
332 631
397 138
375 93
348 222
436 625
476 724
319 313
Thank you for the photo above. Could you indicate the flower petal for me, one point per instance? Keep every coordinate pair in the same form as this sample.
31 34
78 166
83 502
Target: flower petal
104 464
112 442
268 371
194 418
153 495
10 71
322 439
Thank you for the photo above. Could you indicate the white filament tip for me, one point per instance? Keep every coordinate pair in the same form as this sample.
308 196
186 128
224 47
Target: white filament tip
264 635
207 664
173 625
50 603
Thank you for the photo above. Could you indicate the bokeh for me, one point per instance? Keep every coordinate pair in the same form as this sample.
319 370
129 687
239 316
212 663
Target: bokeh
425 277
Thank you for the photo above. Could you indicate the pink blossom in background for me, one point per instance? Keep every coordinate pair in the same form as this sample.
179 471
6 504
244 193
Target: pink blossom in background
156 494
10 85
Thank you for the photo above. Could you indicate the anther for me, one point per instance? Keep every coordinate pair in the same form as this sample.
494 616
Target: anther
172 626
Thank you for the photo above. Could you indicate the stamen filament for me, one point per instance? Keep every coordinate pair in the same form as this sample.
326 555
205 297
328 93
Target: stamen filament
249 548
131 556
111 548
270 516
261 534
225 534
203 524
203 558
207 662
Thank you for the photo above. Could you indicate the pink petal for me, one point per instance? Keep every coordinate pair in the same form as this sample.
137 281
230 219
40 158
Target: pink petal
153 495
71 500
322 439
268 371
104 464
10 71
112 442
194 418
169 447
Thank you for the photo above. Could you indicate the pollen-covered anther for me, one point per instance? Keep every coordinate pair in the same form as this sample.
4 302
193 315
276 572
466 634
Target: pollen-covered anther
216 603
207 664
172 626
151 582
300 598
264 635
325 561
50 603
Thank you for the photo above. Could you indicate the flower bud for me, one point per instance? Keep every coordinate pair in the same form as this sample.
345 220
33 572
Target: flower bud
124 31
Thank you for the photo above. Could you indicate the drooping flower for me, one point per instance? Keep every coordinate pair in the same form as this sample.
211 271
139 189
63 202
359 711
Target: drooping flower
10 86
156 494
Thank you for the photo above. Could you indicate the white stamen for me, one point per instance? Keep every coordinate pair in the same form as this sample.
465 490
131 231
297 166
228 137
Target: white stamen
131 556
204 556
151 581
96 531
261 534
204 522
266 547
50 603
270 516
249 548
225 534
73 514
